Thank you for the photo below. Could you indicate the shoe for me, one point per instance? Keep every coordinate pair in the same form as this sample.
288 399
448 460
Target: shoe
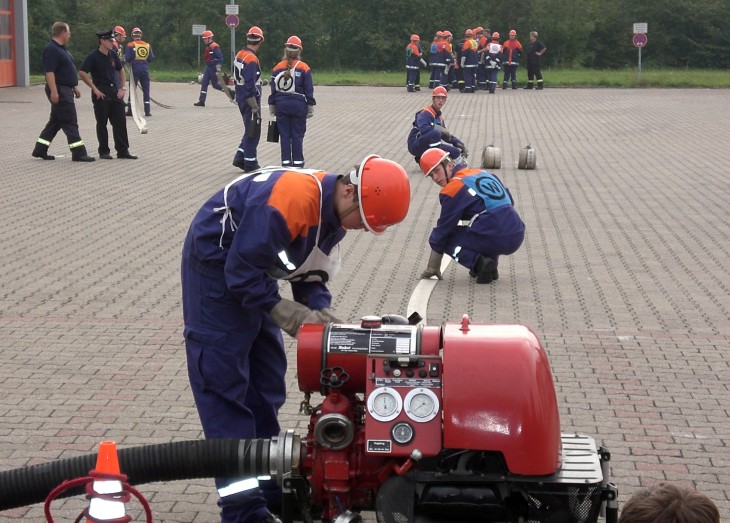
43 156
528 86
484 269
539 87
147 115
84 158
239 164
199 104
105 156
126 156
249 168
504 85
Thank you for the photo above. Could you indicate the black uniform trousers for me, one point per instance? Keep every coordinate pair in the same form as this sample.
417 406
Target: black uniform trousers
63 117
112 110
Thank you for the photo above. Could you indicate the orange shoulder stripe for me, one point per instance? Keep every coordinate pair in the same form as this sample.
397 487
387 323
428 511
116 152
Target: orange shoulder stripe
296 196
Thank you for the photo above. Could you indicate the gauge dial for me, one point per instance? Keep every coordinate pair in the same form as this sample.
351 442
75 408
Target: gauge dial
402 433
384 404
422 405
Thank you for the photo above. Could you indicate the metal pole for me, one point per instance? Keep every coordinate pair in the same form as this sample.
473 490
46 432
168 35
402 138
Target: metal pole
233 44
640 63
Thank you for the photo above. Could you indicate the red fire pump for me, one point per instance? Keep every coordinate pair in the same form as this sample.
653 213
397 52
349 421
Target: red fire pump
420 424
426 424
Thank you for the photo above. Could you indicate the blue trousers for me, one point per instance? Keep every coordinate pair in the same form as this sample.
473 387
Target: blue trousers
246 152
291 139
469 243
420 143
209 77
236 366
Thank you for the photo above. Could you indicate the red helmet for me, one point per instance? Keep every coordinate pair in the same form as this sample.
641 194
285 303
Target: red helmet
495 35
415 38
440 34
478 30
137 31
447 33
468 32
512 32
383 193
294 43
207 34
440 91
255 34
432 159
119 30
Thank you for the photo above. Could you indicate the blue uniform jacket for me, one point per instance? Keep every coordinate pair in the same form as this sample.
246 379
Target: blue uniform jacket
247 73
426 119
139 54
464 197
292 98
271 212
213 56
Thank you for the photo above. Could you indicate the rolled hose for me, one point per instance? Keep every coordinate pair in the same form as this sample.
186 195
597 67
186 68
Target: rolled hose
150 463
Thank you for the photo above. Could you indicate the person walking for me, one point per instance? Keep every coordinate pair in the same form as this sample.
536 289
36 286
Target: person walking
213 64
292 102
274 224
102 71
429 130
61 88
511 53
247 74
139 53
480 198
535 50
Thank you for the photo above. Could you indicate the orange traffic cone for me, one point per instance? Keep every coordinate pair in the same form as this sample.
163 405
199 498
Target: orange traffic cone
108 498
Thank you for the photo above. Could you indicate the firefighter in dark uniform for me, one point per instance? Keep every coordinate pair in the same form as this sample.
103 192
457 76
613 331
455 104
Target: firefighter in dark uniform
429 130
469 59
480 198
289 221
213 64
102 71
61 88
483 38
436 60
511 51
414 60
493 61
535 50
247 73
120 35
139 53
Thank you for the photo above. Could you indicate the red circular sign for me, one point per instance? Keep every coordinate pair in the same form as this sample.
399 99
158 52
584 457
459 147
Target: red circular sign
232 21
639 39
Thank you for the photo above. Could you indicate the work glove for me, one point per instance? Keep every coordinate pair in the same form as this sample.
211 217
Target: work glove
462 147
217 68
253 104
272 110
423 63
290 315
434 266
310 111
445 135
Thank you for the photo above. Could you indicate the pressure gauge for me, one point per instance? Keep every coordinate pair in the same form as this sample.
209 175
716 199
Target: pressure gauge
384 404
402 433
421 405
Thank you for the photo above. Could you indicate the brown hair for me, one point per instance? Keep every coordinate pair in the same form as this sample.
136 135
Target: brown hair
58 28
668 503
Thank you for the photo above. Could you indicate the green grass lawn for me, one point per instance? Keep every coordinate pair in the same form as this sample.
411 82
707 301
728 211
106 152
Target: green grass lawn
685 78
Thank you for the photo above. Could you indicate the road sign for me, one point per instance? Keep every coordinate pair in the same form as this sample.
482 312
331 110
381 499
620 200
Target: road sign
231 9
641 27
232 21
639 39
198 29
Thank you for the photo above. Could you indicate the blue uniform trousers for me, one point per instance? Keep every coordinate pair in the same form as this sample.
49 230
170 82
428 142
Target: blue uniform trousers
291 139
466 244
246 152
209 77
420 143
236 366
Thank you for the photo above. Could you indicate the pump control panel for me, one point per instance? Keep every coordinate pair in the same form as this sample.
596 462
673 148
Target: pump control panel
403 399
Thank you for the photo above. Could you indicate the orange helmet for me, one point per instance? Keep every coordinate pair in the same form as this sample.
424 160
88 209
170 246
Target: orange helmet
432 159
207 34
440 91
415 38
294 43
512 32
383 193
495 35
440 34
478 30
447 34
137 31
255 34
119 30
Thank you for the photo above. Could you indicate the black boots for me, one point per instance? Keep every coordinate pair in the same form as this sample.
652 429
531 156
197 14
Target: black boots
199 104
485 270
529 85
41 151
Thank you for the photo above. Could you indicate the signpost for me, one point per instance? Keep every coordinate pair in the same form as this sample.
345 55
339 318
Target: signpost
640 39
232 22
197 31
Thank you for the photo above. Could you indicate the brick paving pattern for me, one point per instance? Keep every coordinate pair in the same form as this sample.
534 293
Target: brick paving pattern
624 272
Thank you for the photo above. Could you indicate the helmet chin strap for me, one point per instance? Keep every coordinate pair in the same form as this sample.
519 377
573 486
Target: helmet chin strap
347 212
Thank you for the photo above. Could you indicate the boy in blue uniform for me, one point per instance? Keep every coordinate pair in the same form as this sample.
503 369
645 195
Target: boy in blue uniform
267 225
247 73
139 53
494 227
213 64
429 130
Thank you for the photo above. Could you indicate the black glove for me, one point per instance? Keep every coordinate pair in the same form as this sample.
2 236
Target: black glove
253 104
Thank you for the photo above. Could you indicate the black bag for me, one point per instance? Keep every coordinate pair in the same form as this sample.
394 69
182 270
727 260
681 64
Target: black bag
253 130
272 133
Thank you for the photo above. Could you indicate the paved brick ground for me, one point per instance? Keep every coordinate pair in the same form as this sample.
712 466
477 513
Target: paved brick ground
624 272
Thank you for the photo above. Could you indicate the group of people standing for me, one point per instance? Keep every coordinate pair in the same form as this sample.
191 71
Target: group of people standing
473 63
291 100
103 72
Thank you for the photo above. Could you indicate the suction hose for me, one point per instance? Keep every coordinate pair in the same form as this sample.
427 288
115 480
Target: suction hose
164 462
